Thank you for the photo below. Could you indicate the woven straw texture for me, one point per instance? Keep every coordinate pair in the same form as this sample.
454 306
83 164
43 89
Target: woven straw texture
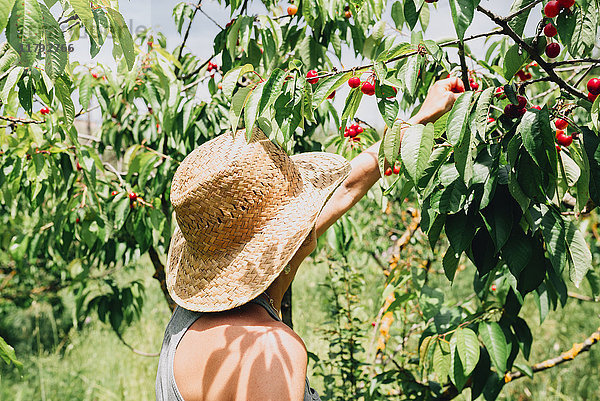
243 209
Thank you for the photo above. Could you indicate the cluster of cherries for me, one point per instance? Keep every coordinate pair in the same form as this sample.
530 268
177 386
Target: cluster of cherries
45 111
365 87
514 110
212 66
561 138
347 12
353 131
551 10
593 86
389 171
524 74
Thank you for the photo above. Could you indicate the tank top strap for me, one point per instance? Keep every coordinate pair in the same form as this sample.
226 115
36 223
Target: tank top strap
262 301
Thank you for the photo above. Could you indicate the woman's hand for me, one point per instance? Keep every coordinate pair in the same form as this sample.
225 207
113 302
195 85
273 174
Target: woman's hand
439 100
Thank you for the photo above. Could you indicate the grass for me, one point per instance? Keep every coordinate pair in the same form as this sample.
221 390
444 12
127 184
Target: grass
94 365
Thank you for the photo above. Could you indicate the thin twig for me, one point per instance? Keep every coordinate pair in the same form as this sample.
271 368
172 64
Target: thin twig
463 66
187 34
522 10
18 120
135 351
211 19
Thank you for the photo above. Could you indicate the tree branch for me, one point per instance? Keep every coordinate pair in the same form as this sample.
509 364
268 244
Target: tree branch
518 12
463 66
187 34
159 274
135 351
577 349
507 30
18 120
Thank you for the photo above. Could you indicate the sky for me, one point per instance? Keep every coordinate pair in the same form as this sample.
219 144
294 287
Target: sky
158 15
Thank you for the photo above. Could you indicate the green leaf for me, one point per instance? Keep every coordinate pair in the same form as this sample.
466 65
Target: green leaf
352 103
450 263
7 353
580 256
458 118
24 30
513 61
591 144
462 15
85 90
232 77
238 102
518 23
84 12
460 229
538 140
251 108
391 142
457 371
398 14
63 93
54 40
482 111
417 146
463 155
495 342
11 80
328 85
409 73
467 346
411 13
572 170
577 29
441 361
121 36
5 8
596 113
389 110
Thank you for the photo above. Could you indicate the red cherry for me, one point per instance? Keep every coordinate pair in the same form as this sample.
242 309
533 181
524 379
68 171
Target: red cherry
566 3
396 169
346 134
373 324
552 9
592 97
522 112
359 130
562 139
347 14
493 287
292 10
491 120
500 93
536 107
354 82
553 50
45 111
557 147
77 220
388 171
550 30
561 124
331 95
133 196
593 86
511 111
474 86
114 193
527 76
94 75
368 89
79 168
521 75
352 132
522 102
311 74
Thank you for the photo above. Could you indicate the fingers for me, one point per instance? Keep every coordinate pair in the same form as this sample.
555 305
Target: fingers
457 85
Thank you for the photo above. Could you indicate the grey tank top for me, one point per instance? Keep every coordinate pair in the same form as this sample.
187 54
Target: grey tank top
181 320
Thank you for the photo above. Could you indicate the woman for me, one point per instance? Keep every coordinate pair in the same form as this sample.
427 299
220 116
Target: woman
247 217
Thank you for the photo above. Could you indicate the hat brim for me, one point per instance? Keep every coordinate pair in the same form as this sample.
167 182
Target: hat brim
244 274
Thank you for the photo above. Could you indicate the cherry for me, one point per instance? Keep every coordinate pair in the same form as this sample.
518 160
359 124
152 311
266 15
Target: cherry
396 169
79 168
474 85
550 30
511 111
553 50
331 95
557 147
352 133
354 82
592 97
522 112
368 89
292 10
522 102
593 86
388 171
45 111
347 14
562 139
77 220
493 287
561 124
229 23
114 193
311 74
220 86
527 76
536 107
566 3
491 120
500 93
359 130
94 75
552 9
521 75
431 1
133 196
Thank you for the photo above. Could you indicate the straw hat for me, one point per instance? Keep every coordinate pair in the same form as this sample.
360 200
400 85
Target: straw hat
243 209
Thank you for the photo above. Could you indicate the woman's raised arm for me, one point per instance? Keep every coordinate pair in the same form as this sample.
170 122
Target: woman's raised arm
365 169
